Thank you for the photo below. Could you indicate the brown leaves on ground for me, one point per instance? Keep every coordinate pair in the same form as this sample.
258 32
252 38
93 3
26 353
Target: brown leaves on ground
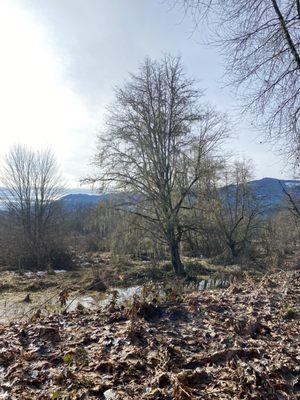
63 297
238 343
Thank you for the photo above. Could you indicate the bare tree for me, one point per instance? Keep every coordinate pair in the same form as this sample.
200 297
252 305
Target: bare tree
260 40
292 200
238 209
32 184
227 213
155 148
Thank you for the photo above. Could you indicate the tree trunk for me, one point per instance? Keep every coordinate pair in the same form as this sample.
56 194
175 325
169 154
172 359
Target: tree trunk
233 249
175 258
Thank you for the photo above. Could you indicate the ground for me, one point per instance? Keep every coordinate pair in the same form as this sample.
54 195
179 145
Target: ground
241 342
90 270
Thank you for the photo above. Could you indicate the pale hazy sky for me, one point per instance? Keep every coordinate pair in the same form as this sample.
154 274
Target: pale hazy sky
60 60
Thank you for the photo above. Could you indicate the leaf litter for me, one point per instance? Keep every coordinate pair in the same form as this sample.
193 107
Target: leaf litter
236 343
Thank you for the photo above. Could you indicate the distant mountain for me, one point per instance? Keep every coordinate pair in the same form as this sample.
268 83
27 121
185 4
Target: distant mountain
271 192
268 189
76 200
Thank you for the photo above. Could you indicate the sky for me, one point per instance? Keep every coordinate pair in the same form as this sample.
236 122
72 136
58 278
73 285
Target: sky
61 60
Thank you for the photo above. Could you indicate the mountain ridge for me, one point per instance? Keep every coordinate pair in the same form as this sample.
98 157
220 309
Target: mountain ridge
269 189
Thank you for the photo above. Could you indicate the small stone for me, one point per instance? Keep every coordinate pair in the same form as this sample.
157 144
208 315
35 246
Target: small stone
110 394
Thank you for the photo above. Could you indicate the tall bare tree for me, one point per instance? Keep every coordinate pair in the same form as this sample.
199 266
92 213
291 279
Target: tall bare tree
156 145
32 184
260 40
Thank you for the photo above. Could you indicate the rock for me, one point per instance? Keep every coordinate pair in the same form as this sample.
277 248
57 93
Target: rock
110 394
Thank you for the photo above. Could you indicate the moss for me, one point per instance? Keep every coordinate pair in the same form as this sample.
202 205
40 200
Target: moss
292 313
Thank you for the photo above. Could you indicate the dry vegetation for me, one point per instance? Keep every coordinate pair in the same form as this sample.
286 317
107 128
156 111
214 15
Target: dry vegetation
94 275
235 343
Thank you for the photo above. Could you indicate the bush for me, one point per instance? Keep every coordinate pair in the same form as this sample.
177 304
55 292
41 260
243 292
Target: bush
61 259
